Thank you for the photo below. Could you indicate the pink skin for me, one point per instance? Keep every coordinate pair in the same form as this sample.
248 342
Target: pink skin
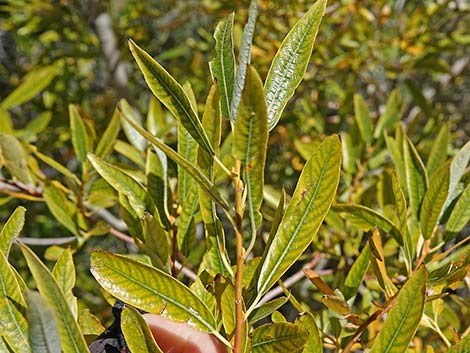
176 337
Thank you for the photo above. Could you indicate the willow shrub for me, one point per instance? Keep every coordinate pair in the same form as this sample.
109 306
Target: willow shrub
212 242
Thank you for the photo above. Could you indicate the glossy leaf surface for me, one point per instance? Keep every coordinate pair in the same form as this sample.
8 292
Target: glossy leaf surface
356 273
150 289
404 317
171 94
11 229
290 63
308 207
279 337
138 337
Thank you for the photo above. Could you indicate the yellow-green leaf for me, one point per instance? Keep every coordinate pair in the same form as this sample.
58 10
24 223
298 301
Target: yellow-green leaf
64 273
279 337
80 140
460 215
137 333
56 165
11 229
307 209
266 309
416 177
314 343
361 113
356 273
463 346
390 115
33 83
433 201
132 136
150 289
403 319
438 153
171 94
223 65
72 340
14 158
225 296
106 143
290 63
13 326
61 207
196 173
122 182
250 138
43 335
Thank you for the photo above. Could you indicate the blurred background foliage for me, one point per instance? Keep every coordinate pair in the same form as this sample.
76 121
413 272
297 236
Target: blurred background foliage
420 50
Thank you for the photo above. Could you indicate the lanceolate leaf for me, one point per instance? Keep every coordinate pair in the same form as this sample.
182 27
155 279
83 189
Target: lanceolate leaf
438 153
64 273
122 182
390 115
138 337
463 346
106 143
308 207
279 337
14 158
267 309
395 149
366 219
171 94
250 143
244 57
33 83
416 177
133 136
11 229
434 200
314 343
195 172
457 169
404 317
80 140
460 214
361 113
72 340
43 335
13 326
150 289
223 66
290 63
61 207
356 273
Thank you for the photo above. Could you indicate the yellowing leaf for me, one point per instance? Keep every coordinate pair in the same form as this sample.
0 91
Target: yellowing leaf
290 63
11 229
404 317
279 337
307 209
137 333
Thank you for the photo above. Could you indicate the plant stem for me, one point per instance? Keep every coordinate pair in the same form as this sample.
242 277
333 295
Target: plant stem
240 315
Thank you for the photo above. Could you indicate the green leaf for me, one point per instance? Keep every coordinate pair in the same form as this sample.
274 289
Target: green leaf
137 333
460 214
156 239
250 140
150 289
122 182
6 124
458 167
37 125
290 63
244 57
56 165
390 115
11 229
225 295
433 201
314 342
307 209
356 273
416 177
395 149
130 152
171 94
64 273
279 337
61 207
463 346
438 153
33 83
14 158
223 65
106 143
80 141
43 335
366 219
156 171
404 317
132 135
266 309
89 323
13 326
70 336
364 123
195 172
